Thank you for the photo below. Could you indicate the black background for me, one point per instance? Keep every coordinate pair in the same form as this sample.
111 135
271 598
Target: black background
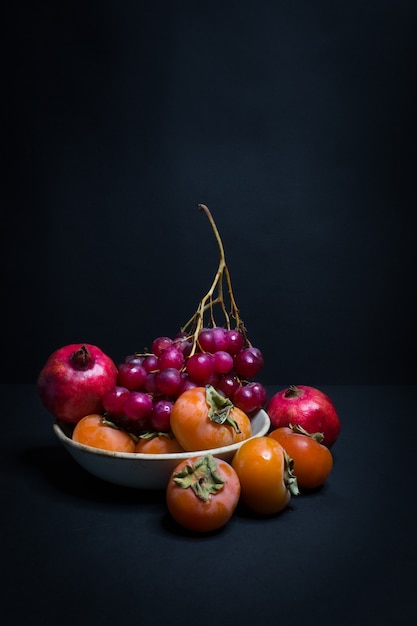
293 121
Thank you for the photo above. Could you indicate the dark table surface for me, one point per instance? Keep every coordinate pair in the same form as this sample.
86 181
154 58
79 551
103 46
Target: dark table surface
76 550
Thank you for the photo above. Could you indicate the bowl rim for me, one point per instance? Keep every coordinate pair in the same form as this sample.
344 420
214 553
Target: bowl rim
68 441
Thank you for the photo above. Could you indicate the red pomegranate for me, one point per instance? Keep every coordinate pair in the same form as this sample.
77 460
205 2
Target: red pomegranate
73 381
307 406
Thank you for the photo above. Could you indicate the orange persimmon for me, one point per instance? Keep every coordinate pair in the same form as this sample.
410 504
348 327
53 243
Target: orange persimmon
202 493
313 461
94 430
158 443
202 418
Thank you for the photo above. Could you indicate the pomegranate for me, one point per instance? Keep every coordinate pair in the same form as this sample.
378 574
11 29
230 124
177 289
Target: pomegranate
307 406
73 381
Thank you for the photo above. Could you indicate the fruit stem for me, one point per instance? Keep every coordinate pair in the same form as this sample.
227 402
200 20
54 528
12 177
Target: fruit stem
220 408
293 392
201 476
81 358
207 303
289 477
296 428
203 207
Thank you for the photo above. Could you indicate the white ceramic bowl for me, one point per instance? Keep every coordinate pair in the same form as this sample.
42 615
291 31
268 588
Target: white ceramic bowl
145 471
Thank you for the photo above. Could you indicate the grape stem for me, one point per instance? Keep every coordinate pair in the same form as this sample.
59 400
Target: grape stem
213 297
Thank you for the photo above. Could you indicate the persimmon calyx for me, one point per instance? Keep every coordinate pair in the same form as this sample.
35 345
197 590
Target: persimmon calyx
299 430
151 434
220 408
290 478
202 477
104 420
107 422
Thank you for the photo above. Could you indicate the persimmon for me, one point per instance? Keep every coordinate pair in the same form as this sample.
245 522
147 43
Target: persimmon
313 461
202 418
94 430
158 443
264 471
202 493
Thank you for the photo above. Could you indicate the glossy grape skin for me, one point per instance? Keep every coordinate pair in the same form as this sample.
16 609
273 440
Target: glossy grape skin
113 400
220 339
160 344
248 362
205 340
245 399
186 383
222 362
171 357
222 358
228 384
151 385
150 363
168 381
137 405
213 339
131 375
137 359
250 397
184 343
260 392
235 341
200 367
159 418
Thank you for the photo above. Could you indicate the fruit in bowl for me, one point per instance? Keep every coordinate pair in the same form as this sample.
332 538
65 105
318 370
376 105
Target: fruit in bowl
187 416
144 470
154 392
203 418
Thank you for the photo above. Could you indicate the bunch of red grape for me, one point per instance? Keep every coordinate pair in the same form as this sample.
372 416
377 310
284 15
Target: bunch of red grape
203 353
148 384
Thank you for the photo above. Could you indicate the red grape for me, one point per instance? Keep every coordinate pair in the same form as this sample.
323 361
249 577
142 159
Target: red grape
250 397
159 418
220 339
186 383
205 339
213 339
137 405
168 381
160 344
113 400
131 376
137 359
151 385
235 341
248 362
228 384
200 367
184 343
201 353
171 357
260 392
150 363
223 362
245 398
